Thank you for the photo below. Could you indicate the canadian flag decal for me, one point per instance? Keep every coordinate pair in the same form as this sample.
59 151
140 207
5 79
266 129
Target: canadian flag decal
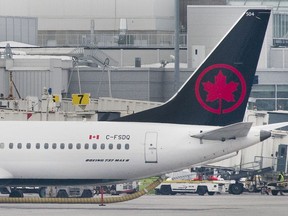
94 137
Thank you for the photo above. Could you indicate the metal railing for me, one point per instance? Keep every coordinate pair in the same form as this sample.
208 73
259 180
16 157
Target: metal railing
111 40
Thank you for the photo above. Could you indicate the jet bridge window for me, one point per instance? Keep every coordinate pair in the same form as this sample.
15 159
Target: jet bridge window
2 145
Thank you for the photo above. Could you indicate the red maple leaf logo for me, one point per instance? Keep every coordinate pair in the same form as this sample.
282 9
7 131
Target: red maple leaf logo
220 89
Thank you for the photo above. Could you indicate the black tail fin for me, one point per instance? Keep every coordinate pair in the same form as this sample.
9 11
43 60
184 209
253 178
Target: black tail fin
218 91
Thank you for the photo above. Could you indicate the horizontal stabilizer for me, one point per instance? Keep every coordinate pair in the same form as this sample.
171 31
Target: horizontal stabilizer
226 133
274 126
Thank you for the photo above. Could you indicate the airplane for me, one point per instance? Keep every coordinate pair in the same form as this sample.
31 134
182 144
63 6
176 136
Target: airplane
202 121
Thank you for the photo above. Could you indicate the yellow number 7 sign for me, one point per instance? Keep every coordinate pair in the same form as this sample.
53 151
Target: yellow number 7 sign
81 99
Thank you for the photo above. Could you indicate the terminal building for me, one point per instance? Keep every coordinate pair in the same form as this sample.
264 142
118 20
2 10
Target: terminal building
125 49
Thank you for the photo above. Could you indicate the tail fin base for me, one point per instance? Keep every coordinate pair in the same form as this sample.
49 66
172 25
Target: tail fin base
217 92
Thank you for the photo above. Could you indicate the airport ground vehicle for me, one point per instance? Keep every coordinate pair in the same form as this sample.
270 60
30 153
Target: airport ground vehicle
19 191
276 187
88 191
128 187
67 191
51 191
72 191
203 180
188 186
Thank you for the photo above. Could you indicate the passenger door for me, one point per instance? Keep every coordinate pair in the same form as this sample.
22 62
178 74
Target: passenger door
151 147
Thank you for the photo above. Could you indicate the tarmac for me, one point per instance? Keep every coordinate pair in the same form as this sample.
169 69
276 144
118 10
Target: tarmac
157 205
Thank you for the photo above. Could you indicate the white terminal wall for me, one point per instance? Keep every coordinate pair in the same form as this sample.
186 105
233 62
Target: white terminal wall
207 25
77 15
32 74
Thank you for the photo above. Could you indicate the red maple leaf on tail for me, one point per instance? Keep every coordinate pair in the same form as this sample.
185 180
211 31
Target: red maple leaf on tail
220 89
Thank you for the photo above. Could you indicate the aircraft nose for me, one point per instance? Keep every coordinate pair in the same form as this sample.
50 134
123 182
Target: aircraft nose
264 135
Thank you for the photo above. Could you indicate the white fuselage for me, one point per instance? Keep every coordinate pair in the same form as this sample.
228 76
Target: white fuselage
104 151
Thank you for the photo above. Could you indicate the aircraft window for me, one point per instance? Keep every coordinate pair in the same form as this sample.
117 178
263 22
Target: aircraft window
118 146
54 146
46 145
78 146
28 145
37 145
86 146
2 145
110 146
70 146
19 145
94 146
127 146
62 146
10 145
102 146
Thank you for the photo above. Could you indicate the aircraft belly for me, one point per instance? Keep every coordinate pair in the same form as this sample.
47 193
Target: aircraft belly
74 170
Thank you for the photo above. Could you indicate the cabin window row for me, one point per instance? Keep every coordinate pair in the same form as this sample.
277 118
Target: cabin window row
66 146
